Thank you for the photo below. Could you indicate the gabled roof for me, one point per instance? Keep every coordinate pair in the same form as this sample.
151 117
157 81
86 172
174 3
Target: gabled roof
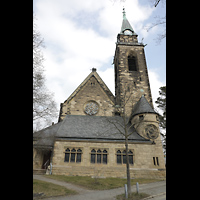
85 127
142 106
99 80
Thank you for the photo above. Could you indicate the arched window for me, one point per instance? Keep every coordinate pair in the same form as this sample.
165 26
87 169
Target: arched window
78 158
105 156
73 152
132 63
99 156
130 155
67 153
124 156
121 156
72 155
93 155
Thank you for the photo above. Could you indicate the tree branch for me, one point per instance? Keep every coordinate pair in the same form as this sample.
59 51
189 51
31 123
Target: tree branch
114 123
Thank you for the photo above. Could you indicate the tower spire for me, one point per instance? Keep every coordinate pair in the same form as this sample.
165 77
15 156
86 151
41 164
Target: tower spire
124 13
125 24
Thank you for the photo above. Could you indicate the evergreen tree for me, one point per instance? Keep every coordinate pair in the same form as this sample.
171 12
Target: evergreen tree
161 103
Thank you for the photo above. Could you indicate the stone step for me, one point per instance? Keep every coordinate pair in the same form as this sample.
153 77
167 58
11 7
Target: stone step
39 171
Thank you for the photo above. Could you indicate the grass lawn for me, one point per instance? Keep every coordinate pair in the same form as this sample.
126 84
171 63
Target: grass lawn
134 196
50 189
98 183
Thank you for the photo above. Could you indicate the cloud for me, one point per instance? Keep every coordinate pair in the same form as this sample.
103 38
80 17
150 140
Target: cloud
80 35
108 78
155 84
112 15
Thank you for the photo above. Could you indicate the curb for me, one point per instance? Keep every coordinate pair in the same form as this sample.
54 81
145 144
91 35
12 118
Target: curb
154 195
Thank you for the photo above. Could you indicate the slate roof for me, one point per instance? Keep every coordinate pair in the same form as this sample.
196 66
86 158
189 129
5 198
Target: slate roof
85 127
94 127
142 106
45 137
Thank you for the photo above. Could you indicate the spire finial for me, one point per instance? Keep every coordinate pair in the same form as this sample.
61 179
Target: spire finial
124 13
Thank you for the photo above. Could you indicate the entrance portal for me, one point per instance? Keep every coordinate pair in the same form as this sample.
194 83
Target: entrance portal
46 159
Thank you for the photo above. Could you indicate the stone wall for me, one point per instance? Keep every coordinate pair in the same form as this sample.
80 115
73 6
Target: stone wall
90 91
148 118
143 160
135 83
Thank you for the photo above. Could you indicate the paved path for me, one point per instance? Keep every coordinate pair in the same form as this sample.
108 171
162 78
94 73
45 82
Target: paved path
157 189
62 183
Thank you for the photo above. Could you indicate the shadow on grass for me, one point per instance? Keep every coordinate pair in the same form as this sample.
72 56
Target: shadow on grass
44 189
98 183
133 196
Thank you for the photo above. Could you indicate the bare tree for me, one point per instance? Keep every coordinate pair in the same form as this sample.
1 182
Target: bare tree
158 21
44 107
124 127
156 2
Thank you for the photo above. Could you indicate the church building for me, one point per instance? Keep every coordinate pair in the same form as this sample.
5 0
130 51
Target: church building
89 137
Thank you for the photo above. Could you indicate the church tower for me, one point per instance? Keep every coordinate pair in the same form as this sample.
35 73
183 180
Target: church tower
88 139
131 75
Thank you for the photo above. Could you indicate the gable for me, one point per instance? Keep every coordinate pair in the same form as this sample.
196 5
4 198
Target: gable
92 89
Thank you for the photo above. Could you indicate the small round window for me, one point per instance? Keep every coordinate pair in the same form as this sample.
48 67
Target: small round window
91 108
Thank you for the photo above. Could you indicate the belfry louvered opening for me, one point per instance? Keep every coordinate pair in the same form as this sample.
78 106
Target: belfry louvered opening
132 63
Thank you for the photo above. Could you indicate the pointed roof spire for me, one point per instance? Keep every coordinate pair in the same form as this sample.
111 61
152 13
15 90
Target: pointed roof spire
142 106
125 24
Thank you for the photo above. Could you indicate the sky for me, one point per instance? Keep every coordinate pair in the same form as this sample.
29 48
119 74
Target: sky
81 35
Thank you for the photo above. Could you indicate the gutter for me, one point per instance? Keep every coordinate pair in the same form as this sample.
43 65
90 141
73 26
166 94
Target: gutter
104 140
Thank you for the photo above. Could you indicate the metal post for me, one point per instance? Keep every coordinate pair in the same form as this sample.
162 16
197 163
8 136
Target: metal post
50 169
126 192
137 187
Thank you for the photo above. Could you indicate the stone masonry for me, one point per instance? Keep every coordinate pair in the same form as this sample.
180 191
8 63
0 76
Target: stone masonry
141 167
81 130
91 89
134 82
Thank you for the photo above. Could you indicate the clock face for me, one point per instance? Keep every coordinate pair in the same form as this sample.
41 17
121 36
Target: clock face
91 108
127 32
151 131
